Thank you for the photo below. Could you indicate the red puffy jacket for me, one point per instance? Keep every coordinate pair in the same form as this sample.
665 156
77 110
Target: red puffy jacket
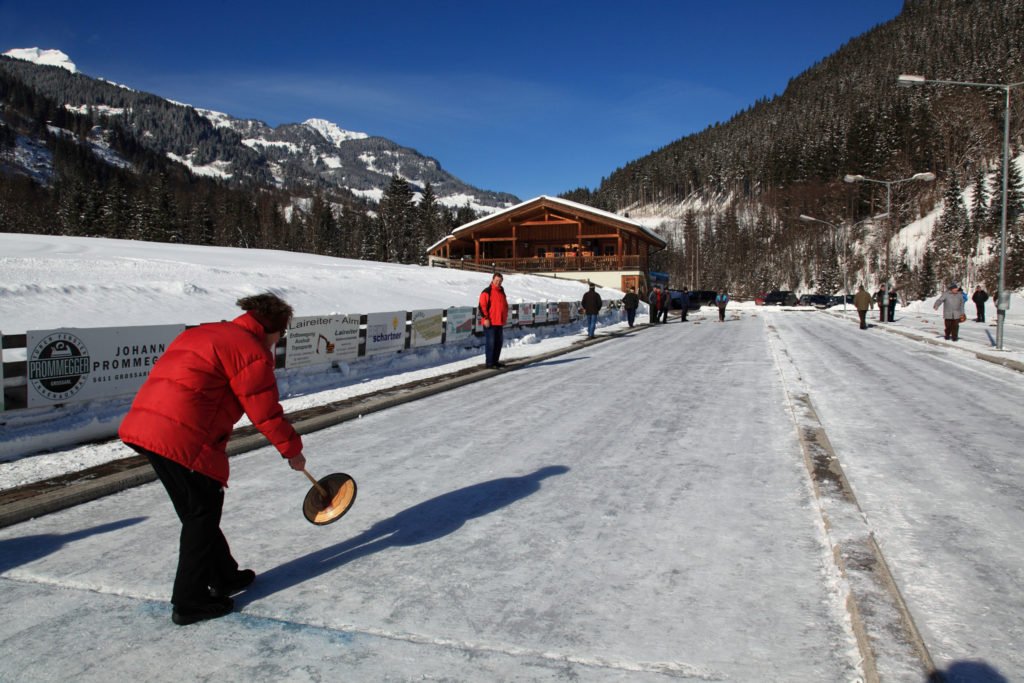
494 306
199 389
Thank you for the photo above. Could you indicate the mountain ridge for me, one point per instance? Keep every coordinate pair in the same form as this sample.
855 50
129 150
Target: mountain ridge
314 154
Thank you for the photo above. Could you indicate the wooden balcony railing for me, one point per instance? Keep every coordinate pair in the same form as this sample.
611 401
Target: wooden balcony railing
541 264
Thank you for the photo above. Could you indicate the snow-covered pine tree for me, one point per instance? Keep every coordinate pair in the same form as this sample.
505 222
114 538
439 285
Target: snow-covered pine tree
428 226
396 221
947 240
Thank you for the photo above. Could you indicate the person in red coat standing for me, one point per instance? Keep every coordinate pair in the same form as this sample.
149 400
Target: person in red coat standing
493 308
181 420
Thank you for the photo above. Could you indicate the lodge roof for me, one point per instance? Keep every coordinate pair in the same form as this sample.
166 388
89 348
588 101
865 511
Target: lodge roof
556 203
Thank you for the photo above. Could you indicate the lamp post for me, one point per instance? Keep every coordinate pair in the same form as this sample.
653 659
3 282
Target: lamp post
1003 302
927 177
846 247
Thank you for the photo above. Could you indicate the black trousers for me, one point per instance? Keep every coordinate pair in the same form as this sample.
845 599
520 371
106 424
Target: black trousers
494 339
204 558
863 319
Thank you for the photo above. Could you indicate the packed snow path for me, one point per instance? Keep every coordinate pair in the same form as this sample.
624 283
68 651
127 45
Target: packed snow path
636 510
931 441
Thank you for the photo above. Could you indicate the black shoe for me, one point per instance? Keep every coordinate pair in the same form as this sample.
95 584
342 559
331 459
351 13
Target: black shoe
499 365
219 607
242 579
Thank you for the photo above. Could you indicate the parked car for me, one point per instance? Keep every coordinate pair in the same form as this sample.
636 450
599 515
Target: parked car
817 300
781 297
702 297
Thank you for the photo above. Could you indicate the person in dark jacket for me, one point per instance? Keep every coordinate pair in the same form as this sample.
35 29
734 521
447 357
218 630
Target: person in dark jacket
591 306
684 299
493 308
862 302
631 302
655 301
882 305
979 298
721 300
893 300
180 421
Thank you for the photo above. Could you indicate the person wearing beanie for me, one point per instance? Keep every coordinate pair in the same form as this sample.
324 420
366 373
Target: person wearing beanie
181 420
952 303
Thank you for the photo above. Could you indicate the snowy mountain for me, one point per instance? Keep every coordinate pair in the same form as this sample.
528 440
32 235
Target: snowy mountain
44 57
309 156
355 161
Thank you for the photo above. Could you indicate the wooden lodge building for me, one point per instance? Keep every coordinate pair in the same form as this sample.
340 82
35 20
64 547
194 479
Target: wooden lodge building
555 237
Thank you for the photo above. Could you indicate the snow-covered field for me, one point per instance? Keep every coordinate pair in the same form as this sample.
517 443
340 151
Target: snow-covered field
49 282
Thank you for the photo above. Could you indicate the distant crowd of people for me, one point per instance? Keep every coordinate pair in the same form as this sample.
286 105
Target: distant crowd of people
660 302
953 302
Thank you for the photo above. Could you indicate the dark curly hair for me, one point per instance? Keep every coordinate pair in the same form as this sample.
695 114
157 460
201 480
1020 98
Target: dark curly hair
270 310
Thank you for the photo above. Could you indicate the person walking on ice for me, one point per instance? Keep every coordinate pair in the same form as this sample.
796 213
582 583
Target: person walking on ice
591 306
721 300
862 302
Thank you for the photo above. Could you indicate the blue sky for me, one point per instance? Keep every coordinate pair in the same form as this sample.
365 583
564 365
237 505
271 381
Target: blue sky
525 97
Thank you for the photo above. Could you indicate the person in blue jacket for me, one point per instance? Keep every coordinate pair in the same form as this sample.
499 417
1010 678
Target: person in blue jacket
684 300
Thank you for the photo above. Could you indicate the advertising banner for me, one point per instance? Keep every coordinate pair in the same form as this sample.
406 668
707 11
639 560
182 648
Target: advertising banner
525 314
385 332
322 339
427 327
460 324
564 312
80 364
553 311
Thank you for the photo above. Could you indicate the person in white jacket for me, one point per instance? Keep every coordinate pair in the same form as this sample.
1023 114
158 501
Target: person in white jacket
952 302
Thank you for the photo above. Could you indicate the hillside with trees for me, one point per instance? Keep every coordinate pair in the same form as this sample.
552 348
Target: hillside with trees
736 189
109 170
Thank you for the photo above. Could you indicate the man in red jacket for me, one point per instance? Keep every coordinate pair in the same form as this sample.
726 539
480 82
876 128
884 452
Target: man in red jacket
181 420
493 309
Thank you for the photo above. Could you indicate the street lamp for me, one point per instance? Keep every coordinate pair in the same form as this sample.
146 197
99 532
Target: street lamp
846 247
1003 302
927 177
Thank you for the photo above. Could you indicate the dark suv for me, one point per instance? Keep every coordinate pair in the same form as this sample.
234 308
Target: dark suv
780 297
701 297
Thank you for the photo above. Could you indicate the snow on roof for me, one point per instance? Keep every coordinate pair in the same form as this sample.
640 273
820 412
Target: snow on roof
575 206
